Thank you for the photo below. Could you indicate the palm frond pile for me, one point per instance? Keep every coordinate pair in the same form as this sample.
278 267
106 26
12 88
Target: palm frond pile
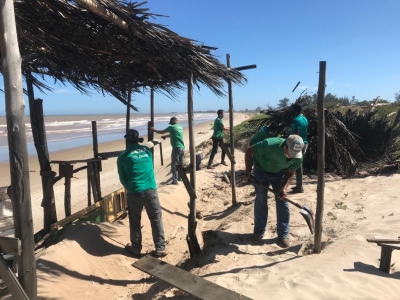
352 139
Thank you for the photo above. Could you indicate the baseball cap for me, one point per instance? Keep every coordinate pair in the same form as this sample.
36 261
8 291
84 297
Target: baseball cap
133 136
173 119
295 145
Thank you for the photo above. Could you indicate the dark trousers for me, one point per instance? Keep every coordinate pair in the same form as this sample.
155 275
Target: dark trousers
216 143
148 199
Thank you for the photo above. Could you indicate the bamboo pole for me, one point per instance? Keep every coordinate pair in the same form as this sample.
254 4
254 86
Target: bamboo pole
128 111
193 244
20 194
320 158
231 136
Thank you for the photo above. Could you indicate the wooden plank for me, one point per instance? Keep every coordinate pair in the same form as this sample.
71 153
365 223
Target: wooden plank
11 281
76 215
65 170
379 241
110 154
320 158
77 161
185 281
10 245
88 188
94 137
161 155
67 196
393 246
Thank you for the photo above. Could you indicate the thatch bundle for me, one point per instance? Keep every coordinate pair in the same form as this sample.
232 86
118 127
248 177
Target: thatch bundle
111 46
352 138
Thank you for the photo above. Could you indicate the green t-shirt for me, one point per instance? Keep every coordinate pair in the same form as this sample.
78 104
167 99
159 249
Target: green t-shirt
218 129
300 123
135 169
260 135
270 157
176 135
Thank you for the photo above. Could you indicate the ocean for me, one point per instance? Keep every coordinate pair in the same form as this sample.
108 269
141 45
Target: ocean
67 132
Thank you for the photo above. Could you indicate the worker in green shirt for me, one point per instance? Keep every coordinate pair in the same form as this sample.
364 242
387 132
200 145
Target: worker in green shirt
260 135
299 127
175 131
275 162
136 173
217 139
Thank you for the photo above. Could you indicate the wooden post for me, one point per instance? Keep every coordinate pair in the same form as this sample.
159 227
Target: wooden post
193 244
320 158
88 187
94 136
151 133
161 155
20 193
92 180
231 134
128 111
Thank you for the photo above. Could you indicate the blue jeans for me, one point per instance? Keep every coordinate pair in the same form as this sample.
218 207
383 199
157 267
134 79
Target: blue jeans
176 159
261 204
148 199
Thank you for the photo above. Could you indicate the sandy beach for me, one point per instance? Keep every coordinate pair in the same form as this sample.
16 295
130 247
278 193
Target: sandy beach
90 261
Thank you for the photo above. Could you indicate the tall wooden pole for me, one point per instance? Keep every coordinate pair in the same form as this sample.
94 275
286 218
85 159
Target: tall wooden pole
128 111
19 191
151 133
192 239
231 136
320 158
40 142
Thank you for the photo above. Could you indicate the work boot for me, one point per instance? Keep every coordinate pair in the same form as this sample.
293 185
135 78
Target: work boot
134 250
224 163
297 190
160 253
283 242
256 239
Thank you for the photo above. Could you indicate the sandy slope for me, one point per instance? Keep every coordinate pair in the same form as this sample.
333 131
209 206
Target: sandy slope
90 263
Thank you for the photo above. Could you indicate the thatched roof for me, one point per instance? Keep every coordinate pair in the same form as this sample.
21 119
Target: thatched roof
111 46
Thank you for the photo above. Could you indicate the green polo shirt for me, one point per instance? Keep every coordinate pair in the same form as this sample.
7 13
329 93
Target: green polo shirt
218 129
176 135
300 123
270 157
260 135
135 169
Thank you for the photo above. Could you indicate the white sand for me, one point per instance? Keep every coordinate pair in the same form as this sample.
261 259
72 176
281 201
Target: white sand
90 263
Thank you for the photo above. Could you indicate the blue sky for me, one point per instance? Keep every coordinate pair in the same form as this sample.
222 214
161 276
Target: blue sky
286 39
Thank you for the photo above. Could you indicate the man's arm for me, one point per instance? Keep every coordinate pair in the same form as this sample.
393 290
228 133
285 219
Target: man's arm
151 144
158 131
286 181
165 136
248 159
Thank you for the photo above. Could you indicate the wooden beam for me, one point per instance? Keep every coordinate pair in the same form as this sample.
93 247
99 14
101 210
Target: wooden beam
20 193
185 281
10 245
161 154
231 134
93 181
186 181
94 137
193 244
11 281
151 133
76 215
228 153
320 158
128 111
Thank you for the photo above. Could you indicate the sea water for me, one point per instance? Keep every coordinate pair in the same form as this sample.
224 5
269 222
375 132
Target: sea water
67 132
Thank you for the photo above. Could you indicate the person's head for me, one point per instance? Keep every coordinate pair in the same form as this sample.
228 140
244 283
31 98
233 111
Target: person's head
132 136
293 146
220 113
173 120
296 109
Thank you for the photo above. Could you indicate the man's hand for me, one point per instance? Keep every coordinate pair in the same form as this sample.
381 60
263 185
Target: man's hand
152 129
282 194
163 137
